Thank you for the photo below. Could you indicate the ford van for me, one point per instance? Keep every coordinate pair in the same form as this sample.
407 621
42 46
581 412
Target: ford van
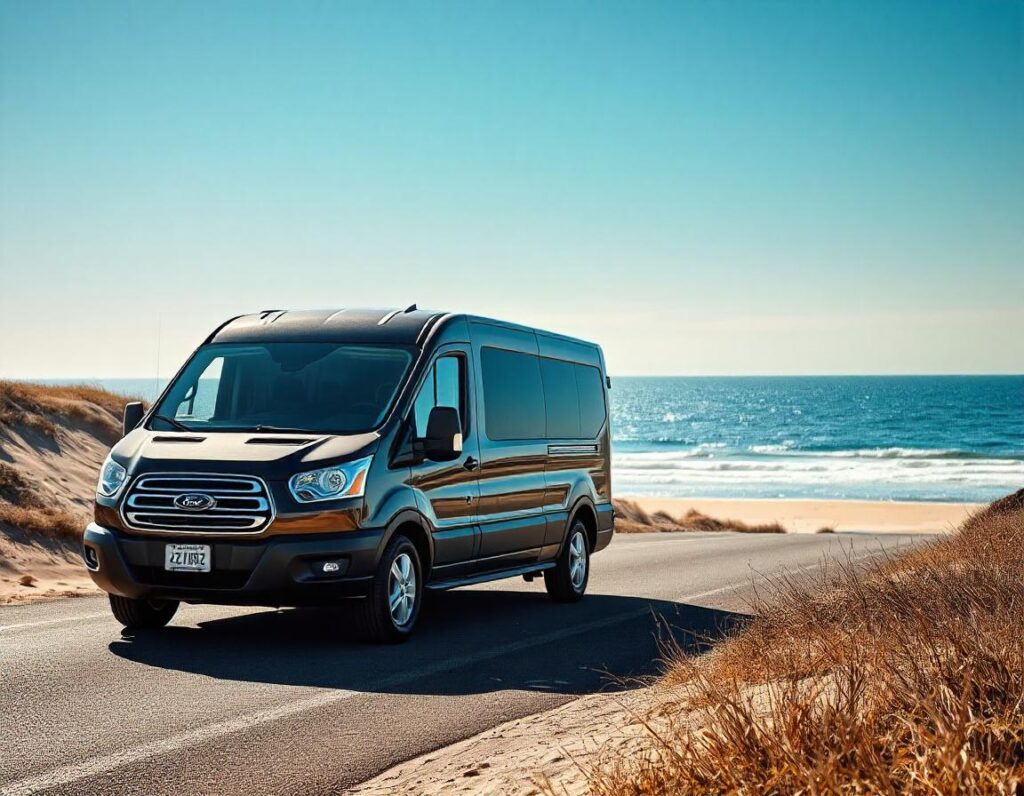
314 457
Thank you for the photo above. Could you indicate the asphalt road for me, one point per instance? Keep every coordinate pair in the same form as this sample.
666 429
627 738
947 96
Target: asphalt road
253 701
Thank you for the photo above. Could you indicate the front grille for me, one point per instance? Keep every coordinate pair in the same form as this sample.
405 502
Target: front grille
240 504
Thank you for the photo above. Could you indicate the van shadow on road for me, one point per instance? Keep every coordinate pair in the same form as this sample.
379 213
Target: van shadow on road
468 641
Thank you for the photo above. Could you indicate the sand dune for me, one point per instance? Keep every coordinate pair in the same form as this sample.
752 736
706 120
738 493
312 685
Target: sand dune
808 516
52 442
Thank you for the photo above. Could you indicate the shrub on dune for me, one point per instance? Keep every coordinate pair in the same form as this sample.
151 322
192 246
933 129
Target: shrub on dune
43 407
632 518
900 676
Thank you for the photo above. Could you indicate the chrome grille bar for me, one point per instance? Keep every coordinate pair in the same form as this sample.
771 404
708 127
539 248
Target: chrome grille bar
240 504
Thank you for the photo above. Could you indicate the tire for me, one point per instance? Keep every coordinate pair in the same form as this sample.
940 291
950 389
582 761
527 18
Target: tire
142 614
566 583
388 614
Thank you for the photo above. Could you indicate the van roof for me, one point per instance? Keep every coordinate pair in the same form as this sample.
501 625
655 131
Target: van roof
409 326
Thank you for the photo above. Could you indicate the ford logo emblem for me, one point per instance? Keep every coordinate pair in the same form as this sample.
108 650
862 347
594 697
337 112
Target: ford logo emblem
194 501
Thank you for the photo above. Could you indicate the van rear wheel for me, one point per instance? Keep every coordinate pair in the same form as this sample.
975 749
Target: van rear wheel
567 582
142 614
387 615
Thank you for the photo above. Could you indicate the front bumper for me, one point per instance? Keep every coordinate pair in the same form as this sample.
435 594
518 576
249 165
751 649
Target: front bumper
271 572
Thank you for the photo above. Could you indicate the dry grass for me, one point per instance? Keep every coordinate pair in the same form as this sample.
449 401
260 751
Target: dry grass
904 676
63 526
62 399
632 518
22 507
42 408
15 489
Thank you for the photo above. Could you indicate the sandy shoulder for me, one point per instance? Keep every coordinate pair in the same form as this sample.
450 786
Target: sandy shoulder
51 570
514 758
806 516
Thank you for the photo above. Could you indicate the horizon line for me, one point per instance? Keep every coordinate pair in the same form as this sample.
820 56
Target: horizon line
86 379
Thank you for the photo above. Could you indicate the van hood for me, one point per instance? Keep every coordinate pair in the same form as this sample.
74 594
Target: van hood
271 456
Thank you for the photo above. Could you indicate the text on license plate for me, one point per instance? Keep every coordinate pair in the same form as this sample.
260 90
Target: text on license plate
187 558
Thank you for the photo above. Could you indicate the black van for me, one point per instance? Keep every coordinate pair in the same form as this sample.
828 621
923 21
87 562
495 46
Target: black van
301 457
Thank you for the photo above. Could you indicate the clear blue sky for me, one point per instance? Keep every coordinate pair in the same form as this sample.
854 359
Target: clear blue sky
719 187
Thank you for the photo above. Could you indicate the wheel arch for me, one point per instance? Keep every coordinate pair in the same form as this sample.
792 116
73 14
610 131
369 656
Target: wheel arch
583 510
415 526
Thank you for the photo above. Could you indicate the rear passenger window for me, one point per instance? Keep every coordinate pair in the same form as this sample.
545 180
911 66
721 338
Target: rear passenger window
591 392
513 395
561 398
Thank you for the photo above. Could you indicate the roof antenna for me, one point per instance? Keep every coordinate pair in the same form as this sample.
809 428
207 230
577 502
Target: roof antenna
159 330
410 308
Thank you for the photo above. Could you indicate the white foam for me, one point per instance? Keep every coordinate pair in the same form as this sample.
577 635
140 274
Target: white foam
887 468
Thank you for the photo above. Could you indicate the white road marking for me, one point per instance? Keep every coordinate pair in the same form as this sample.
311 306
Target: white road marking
54 621
709 593
782 573
102 764
106 614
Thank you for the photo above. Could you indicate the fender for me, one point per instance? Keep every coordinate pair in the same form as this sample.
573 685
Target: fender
401 518
578 503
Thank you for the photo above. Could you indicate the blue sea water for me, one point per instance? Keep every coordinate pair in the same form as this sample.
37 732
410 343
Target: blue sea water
853 437
856 437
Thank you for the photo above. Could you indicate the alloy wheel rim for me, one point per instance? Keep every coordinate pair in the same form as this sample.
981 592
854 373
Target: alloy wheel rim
577 560
402 590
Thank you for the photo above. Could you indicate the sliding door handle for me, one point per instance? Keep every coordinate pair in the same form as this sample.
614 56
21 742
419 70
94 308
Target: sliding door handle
470 463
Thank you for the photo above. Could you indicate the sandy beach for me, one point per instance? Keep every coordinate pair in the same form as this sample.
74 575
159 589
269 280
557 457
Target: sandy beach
807 516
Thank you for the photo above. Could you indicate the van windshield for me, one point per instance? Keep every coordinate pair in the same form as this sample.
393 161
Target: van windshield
304 387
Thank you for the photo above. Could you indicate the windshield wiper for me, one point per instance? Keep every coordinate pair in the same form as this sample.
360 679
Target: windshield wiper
259 428
172 422
262 429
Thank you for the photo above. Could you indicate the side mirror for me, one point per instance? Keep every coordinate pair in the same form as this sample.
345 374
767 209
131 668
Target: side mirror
444 434
133 414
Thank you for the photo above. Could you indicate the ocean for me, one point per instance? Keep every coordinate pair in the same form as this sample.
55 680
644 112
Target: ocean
856 437
957 438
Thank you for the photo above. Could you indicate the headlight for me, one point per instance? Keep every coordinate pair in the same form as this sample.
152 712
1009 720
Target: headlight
112 478
331 483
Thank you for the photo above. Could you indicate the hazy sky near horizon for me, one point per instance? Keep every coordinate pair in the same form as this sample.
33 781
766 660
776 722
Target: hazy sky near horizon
717 187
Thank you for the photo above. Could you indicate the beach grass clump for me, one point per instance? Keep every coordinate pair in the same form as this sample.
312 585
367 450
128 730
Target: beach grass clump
632 518
60 525
43 408
22 507
905 675
15 488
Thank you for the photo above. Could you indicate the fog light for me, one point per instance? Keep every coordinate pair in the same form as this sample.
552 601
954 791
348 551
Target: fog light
92 560
328 567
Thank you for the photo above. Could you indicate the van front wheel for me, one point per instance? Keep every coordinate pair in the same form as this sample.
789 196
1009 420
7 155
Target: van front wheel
567 582
142 614
388 613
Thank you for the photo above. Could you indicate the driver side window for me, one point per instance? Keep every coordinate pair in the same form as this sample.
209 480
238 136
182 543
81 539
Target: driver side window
443 386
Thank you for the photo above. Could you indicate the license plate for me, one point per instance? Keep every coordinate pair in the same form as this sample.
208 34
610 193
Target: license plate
187 558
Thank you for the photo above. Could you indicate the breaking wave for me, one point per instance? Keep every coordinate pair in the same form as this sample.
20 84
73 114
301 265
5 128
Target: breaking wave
896 473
